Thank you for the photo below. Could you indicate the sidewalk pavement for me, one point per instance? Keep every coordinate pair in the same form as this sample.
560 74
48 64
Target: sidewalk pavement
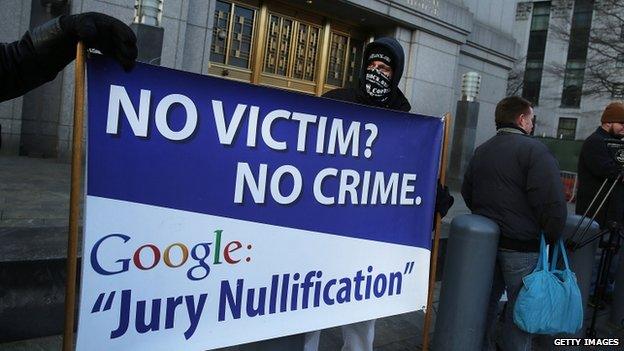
34 200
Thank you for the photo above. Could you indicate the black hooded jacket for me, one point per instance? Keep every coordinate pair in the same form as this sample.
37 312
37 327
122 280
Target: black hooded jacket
397 100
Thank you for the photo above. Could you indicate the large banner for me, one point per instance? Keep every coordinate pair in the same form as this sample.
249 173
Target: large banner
220 213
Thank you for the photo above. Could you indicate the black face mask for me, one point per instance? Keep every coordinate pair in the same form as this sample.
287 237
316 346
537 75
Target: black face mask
378 85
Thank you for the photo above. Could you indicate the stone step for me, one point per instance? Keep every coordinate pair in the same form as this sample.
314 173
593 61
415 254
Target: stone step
32 276
48 343
33 243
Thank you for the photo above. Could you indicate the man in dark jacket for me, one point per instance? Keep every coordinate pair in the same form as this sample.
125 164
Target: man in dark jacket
596 164
382 70
514 180
46 50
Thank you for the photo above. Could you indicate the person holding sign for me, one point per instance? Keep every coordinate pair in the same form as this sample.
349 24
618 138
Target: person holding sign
380 76
382 70
45 50
514 180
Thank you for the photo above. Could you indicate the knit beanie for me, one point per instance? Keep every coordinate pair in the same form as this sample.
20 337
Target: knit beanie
614 112
381 53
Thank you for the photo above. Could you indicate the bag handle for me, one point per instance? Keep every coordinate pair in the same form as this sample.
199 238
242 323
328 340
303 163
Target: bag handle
564 254
542 261
555 257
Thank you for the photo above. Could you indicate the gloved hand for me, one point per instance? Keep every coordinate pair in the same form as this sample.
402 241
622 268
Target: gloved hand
107 34
444 200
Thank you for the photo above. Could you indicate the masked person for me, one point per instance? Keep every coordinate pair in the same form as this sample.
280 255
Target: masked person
379 79
596 164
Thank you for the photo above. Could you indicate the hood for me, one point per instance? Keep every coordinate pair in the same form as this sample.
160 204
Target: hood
397 100
395 49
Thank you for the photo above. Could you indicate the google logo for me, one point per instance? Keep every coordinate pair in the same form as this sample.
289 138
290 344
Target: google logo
175 255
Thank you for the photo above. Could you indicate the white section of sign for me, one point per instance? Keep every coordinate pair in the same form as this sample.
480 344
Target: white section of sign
163 303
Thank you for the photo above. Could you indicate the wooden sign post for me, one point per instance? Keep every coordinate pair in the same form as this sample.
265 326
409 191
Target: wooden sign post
74 198
436 237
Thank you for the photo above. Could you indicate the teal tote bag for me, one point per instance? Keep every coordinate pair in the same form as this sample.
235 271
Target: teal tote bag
549 301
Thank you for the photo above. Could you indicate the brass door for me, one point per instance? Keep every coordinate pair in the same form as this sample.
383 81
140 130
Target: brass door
272 43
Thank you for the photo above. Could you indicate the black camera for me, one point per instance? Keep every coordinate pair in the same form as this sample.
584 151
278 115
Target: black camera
616 150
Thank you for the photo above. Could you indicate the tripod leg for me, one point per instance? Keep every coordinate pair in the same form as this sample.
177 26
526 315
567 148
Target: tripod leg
591 204
617 309
583 264
604 199
596 236
598 294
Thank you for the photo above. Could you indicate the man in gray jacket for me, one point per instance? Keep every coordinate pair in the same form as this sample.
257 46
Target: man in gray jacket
514 180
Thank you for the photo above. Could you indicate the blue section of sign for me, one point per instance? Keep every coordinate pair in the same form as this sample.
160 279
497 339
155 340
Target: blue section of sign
199 173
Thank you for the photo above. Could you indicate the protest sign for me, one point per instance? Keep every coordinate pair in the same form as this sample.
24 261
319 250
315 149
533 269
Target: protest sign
219 213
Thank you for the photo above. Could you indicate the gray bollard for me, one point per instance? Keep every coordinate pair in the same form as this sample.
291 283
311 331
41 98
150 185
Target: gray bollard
617 310
287 343
582 261
467 283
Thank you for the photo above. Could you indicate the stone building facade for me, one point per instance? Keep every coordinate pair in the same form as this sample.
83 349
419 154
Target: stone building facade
309 46
551 71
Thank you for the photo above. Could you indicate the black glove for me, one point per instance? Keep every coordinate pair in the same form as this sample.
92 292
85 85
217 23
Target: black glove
107 34
444 200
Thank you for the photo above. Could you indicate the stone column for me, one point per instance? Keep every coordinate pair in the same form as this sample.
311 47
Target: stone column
147 28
